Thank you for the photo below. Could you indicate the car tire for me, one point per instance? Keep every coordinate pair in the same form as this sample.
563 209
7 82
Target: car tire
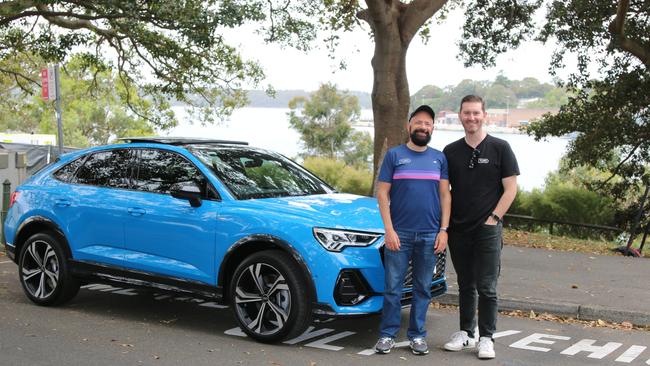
44 271
269 297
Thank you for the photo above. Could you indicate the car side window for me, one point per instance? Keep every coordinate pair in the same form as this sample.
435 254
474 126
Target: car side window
106 169
66 172
161 171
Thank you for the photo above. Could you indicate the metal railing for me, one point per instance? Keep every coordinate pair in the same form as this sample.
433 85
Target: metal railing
531 222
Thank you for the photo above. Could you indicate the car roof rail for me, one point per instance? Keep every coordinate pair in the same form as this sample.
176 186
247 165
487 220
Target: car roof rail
180 140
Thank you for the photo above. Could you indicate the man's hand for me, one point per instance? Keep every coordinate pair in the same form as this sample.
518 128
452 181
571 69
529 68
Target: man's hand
441 242
491 221
391 240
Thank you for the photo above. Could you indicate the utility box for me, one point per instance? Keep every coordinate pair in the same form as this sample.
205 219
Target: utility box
21 160
4 160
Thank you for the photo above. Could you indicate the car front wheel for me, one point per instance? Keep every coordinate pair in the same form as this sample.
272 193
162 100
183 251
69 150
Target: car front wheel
269 297
43 271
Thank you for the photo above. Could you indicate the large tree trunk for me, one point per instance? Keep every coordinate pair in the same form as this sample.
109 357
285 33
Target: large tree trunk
394 24
390 97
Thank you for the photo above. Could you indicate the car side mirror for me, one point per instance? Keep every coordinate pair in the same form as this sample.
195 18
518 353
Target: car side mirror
190 193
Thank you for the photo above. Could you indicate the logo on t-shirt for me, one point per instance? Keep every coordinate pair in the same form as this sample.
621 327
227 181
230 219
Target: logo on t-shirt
483 160
403 161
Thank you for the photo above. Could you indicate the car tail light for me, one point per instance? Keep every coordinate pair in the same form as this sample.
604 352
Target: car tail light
13 198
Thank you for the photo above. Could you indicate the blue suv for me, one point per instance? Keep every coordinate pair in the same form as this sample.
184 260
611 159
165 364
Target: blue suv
216 219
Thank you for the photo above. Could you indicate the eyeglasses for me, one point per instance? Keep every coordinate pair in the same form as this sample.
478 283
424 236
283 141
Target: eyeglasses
474 159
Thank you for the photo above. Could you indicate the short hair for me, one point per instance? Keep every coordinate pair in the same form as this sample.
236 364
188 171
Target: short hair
470 99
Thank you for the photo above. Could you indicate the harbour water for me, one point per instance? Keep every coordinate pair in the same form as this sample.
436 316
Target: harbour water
269 128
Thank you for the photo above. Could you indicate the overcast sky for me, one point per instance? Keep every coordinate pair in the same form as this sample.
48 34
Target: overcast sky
435 63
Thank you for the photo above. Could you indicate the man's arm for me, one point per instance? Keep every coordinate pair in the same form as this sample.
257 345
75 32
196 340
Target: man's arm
508 196
445 208
390 238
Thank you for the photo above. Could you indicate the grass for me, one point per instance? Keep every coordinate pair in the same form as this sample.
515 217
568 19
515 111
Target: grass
553 242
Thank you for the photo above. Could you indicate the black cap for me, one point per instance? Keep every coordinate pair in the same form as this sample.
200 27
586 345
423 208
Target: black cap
423 108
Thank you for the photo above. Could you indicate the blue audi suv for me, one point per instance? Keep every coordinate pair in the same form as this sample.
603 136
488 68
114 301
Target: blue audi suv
215 219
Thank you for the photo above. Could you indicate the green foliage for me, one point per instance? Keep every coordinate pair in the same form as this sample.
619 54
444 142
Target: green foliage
323 121
500 93
344 178
94 109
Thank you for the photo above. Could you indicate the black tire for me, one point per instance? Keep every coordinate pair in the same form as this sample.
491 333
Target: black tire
276 306
44 272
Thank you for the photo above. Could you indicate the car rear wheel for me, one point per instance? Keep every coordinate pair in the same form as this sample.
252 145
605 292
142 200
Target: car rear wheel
269 297
43 271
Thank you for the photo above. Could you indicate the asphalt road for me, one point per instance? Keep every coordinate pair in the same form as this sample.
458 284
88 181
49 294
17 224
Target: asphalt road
111 326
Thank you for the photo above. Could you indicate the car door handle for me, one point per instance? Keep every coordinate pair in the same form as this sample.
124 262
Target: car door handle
62 202
136 211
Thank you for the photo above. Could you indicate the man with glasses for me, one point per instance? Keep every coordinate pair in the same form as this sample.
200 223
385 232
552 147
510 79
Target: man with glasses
414 202
483 177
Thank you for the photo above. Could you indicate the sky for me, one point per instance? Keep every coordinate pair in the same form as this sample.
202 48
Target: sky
435 63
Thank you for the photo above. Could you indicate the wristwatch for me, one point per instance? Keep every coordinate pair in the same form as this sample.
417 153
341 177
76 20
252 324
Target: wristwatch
496 217
443 228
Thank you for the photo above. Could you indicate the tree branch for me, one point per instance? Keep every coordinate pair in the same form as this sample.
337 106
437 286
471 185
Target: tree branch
417 13
617 29
620 164
76 24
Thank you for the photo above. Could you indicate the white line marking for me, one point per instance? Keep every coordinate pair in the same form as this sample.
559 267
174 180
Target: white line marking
322 343
235 332
3 262
537 338
505 333
631 354
309 334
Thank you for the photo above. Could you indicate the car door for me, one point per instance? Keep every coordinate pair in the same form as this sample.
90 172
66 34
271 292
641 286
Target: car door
166 235
92 204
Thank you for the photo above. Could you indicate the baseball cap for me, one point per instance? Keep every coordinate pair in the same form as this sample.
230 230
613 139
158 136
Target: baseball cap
423 108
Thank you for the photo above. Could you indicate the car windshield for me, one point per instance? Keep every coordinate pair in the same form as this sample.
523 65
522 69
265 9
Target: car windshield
250 173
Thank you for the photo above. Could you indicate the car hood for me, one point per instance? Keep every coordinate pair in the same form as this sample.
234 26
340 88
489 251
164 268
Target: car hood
337 210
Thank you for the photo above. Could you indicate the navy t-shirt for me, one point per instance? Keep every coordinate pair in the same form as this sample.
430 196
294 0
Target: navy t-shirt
414 195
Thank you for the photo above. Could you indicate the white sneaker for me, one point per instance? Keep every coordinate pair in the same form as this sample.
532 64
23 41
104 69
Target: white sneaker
485 348
460 341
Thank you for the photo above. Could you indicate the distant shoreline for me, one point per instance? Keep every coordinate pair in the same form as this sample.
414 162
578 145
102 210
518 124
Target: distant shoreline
452 127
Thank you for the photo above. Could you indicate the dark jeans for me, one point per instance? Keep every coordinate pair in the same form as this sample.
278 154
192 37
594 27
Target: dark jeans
476 255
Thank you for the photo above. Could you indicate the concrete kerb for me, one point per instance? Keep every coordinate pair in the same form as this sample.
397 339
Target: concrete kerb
577 311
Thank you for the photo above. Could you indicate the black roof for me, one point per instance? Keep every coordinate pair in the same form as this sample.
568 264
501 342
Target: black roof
180 140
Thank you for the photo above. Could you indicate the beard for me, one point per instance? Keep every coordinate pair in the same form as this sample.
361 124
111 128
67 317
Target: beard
420 141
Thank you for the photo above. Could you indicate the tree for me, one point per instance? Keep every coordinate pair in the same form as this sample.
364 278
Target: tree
607 109
323 121
168 49
95 109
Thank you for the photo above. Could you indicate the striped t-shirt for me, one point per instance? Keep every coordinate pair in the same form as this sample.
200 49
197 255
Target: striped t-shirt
414 195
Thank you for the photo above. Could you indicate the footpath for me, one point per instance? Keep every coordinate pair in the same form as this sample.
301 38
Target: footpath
578 285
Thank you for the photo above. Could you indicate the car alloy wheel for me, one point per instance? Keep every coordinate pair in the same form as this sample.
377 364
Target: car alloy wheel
43 271
263 298
40 269
269 298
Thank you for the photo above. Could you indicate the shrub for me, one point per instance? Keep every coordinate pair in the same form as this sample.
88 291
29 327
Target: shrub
340 176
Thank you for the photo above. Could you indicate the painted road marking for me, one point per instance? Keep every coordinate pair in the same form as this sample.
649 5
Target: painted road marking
587 345
631 354
537 338
3 262
532 342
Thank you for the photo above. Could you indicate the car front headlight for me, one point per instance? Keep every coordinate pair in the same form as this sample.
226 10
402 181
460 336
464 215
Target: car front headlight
335 240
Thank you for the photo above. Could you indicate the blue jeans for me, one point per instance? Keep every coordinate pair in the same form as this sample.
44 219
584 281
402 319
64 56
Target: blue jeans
417 248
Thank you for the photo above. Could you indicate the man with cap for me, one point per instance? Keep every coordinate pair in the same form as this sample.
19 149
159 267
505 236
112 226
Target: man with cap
415 204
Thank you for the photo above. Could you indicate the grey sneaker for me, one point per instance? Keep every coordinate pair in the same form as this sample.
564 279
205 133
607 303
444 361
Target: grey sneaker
419 346
384 345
